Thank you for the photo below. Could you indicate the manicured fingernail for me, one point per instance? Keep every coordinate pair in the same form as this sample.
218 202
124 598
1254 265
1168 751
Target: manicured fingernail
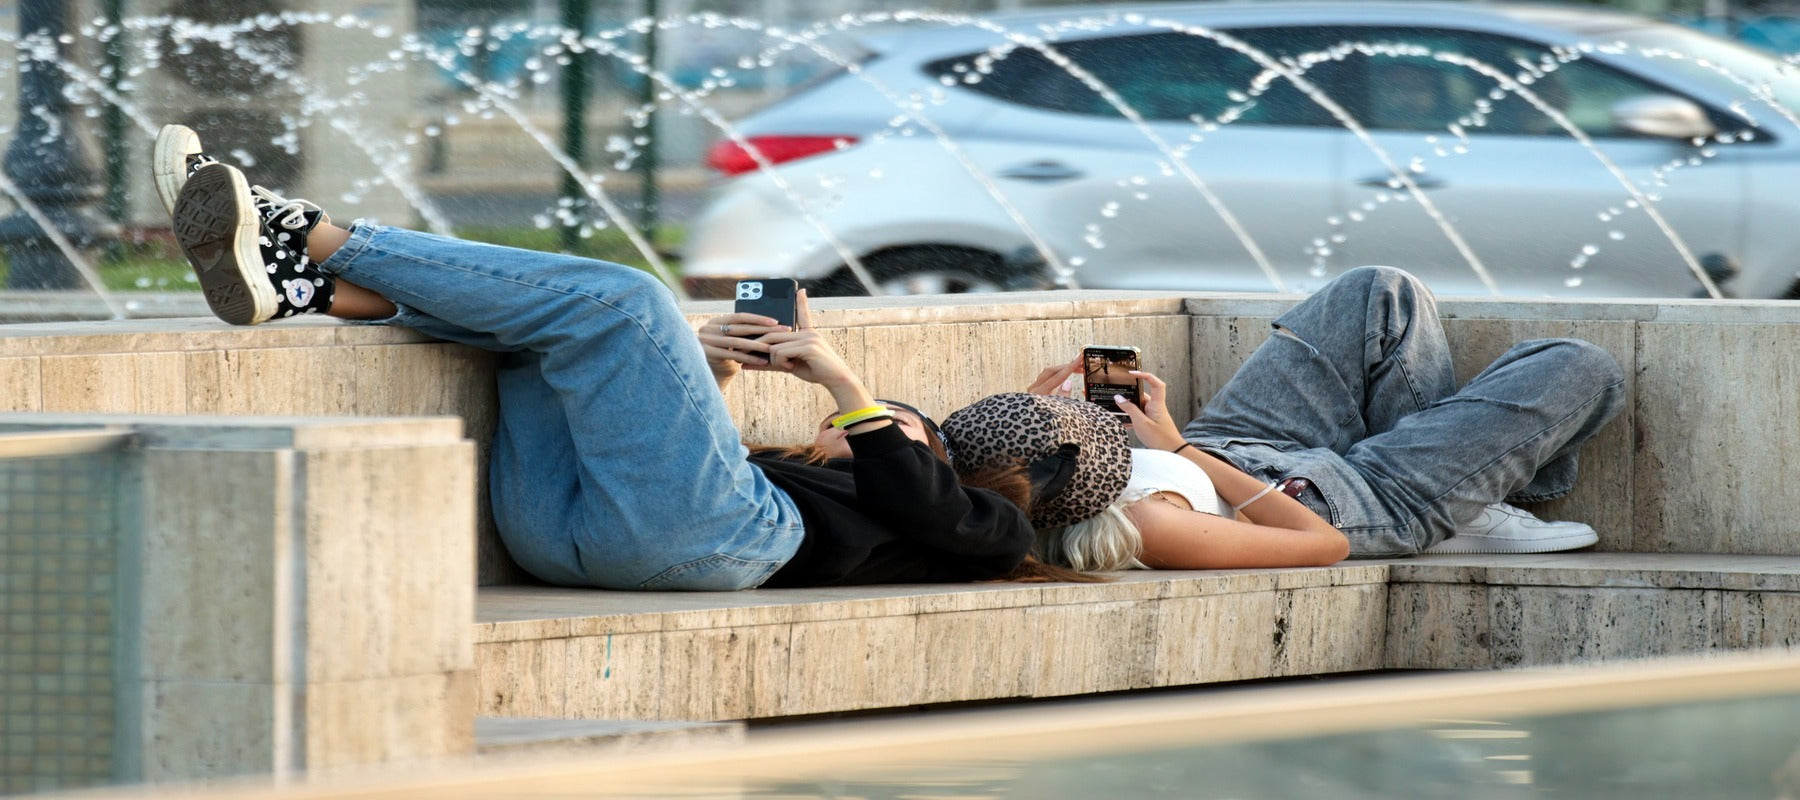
1118 398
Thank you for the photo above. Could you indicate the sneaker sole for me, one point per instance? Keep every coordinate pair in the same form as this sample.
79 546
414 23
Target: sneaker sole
1469 545
217 228
174 143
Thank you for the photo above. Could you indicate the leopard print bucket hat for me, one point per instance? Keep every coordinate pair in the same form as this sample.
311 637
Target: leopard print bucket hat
1029 430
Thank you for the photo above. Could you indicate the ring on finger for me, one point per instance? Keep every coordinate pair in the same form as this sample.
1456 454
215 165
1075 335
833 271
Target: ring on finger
724 330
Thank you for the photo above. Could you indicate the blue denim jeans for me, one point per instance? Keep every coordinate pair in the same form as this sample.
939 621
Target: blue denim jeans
1354 391
615 463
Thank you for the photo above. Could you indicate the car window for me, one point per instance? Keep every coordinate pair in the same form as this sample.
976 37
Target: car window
1161 76
1422 93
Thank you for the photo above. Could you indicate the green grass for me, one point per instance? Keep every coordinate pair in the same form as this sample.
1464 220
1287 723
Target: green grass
154 264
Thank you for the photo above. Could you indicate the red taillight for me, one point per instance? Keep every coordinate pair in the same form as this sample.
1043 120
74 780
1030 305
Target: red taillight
732 158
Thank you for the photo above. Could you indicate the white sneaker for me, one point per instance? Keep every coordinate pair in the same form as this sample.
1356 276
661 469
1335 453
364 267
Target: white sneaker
175 158
1503 528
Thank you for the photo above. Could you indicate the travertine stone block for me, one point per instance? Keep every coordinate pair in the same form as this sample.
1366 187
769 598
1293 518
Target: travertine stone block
1338 629
217 584
305 599
1112 591
1756 620
390 549
935 369
21 384
1094 647
1348 573
1615 570
522 678
131 383
726 673
977 655
1174 583
193 730
1438 626
1220 346
297 381
1541 625
851 664
389 720
617 676
1214 638
1717 433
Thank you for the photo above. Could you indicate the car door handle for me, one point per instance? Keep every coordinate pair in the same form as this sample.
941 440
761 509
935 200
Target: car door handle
1381 182
1041 171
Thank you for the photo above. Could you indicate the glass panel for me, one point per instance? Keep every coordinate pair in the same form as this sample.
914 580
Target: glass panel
58 591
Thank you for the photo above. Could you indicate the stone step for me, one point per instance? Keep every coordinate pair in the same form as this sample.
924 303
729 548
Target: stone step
567 653
547 652
505 737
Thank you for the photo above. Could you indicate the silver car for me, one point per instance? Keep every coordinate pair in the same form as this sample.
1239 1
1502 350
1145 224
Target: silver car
1490 149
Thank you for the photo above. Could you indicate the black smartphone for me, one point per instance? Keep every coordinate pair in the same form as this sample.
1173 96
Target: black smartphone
770 297
1106 371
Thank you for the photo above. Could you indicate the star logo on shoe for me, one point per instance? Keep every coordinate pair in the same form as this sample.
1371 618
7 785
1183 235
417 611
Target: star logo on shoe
299 293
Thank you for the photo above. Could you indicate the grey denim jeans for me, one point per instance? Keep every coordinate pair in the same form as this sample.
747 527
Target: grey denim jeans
1355 392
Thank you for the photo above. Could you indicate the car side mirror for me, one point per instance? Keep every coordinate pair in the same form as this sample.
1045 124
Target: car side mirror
1664 116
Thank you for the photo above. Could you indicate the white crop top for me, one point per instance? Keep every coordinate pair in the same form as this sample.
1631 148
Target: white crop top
1155 471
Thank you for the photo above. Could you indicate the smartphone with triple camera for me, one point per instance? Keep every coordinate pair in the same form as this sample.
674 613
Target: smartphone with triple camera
770 297
1106 372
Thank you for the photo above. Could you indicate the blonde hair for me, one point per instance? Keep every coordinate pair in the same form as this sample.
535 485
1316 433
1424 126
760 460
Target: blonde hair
1104 542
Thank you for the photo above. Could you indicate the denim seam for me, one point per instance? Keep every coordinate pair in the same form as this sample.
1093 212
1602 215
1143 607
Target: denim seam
1540 434
360 238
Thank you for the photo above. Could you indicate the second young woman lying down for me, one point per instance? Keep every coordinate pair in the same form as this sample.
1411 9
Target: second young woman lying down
1348 419
1159 509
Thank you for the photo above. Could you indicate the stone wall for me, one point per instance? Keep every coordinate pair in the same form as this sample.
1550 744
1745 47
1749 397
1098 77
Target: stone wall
1697 463
234 596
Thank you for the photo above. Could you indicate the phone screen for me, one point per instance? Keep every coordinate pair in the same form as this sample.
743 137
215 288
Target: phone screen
1106 372
770 297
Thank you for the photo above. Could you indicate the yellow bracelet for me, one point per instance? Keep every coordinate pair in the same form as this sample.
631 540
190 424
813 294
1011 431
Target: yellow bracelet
849 418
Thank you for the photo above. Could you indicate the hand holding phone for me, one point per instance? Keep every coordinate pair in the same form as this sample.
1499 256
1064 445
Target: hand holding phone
1106 373
769 297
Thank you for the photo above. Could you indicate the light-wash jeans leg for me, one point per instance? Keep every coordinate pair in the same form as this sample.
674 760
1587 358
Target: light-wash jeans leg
615 461
1512 432
1345 363
1355 391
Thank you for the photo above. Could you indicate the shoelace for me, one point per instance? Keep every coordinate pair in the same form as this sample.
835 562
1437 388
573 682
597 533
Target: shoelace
277 206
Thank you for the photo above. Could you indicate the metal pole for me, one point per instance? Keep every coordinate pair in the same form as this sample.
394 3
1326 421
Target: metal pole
649 196
48 161
112 118
574 100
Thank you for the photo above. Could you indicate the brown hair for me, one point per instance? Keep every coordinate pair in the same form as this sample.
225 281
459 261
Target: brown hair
1008 482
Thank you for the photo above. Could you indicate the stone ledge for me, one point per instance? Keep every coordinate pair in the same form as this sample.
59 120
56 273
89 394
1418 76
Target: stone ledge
554 652
498 737
1608 570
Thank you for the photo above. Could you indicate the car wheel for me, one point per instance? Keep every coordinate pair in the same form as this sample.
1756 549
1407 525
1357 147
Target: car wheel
935 270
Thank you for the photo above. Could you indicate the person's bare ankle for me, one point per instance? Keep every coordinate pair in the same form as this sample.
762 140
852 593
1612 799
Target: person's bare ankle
356 302
325 240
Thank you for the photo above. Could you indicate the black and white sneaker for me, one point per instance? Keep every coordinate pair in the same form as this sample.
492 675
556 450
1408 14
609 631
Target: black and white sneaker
176 157
303 289
216 224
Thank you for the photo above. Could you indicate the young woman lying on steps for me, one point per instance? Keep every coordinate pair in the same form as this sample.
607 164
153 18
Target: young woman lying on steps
1349 415
621 484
